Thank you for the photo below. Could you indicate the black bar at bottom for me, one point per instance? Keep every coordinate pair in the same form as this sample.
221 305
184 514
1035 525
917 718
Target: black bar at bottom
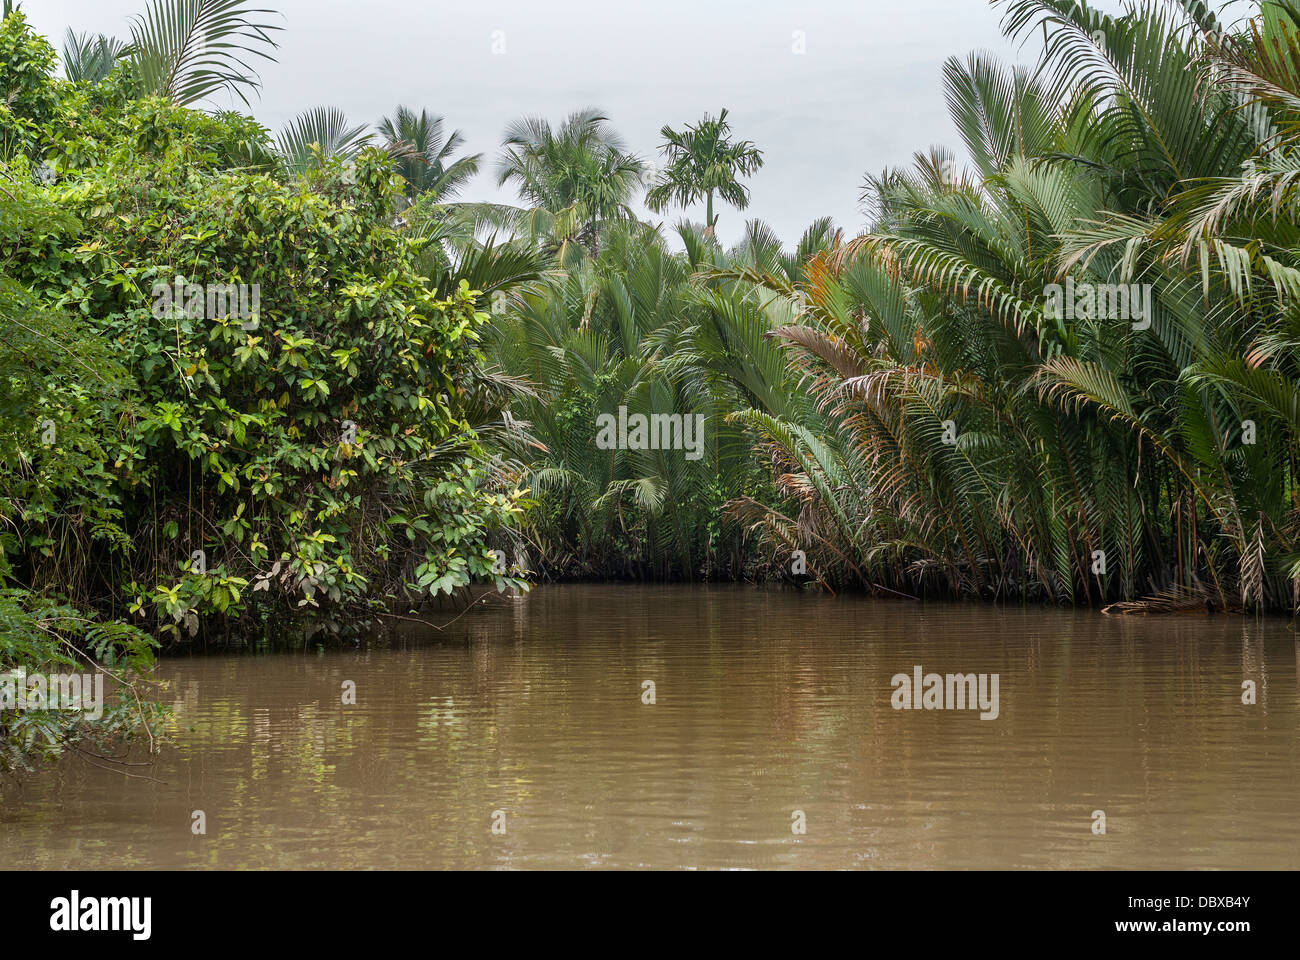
332 910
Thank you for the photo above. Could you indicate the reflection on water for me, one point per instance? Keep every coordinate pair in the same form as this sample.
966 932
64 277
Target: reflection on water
767 703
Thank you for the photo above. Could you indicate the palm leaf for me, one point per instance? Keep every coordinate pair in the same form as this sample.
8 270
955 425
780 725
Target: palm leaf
189 50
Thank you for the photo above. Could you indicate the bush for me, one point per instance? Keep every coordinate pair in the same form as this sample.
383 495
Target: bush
313 455
27 88
44 636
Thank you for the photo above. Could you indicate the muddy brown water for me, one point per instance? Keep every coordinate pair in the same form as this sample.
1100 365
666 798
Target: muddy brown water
529 715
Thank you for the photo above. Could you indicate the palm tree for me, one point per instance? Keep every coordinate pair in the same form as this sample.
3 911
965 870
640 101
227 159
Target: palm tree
613 332
89 58
972 440
702 162
318 134
188 50
639 327
423 156
579 176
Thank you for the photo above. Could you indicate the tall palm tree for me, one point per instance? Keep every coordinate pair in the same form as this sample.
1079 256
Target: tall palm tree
423 155
703 162
579 176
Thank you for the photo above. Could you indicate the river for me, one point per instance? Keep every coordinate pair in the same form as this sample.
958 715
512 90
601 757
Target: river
521 736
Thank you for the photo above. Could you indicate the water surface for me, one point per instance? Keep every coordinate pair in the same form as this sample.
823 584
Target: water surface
766 703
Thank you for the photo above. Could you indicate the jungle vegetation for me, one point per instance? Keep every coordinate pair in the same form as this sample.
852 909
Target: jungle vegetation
912 409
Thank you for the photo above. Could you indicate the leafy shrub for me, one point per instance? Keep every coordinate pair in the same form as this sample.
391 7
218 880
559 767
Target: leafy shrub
27 89
44 636
316 454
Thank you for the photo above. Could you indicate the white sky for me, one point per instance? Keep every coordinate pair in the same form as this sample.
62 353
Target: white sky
866 94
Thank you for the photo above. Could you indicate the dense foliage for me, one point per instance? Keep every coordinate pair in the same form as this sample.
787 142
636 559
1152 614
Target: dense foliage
230 394
247 378
988 442
967 402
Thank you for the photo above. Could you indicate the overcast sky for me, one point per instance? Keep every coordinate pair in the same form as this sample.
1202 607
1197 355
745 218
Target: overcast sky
865 94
